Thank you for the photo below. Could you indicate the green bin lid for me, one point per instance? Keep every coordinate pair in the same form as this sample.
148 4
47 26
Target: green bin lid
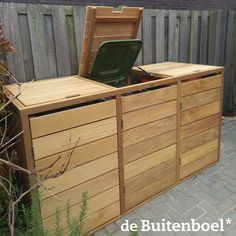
114 60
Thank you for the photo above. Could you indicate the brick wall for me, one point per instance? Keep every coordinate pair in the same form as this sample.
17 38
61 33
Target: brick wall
164 4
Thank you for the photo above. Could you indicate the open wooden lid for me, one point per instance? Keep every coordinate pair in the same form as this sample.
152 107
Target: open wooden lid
103 24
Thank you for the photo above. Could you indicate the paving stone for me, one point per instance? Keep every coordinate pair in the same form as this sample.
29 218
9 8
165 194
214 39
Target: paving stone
195 213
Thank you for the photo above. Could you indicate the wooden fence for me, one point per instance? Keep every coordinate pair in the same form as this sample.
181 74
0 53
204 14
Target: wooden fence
49 39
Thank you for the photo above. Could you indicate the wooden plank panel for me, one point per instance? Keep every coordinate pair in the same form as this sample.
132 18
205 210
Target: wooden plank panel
150 176
200 112
150 190
204 35
148 146
99 218
12 32
79 22
199 99
149 98
229 59
198 164
199 139
184 36
26 48
82 174
61 41
70 30
145 163
64 140
37 35
194 37
149 130
93 187
201 85
67 119
173 44
50 46
147 40
102 216
95 204
198 152
160 35
77 156
199 126
149 114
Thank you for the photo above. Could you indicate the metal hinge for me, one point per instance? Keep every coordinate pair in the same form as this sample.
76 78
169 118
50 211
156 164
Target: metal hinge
122 124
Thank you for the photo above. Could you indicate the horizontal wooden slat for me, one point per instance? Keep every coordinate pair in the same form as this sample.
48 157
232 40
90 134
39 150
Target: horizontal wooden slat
198 152
78 156
101 217
200 112
199 139
201 85
149 176
149 98
82 174
95 204
145 163
198 164
55 122
202 98
149 114
199 126
93 187
148 146
61 141
150 190
149 130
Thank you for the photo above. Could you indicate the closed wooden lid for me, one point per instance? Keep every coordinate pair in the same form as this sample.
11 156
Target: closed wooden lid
46 91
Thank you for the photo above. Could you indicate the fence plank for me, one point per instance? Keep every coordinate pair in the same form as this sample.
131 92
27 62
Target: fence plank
229 62
194 38
139 60
223 37
203 39
61 41
147 40
212 37
37 35
184 37
50 46
217 48
160 35
11 30
173 42
79 22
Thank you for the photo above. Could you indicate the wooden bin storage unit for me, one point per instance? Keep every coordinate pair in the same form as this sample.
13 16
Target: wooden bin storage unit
126 144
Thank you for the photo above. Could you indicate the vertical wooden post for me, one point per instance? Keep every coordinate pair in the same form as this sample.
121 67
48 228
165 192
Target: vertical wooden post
178 129
120 153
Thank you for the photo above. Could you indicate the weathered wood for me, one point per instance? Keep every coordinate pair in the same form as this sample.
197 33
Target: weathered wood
204 35
147 41
50 46
184 36
194 37
61 41
38 41
173 44
79 23
160 35
10 25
